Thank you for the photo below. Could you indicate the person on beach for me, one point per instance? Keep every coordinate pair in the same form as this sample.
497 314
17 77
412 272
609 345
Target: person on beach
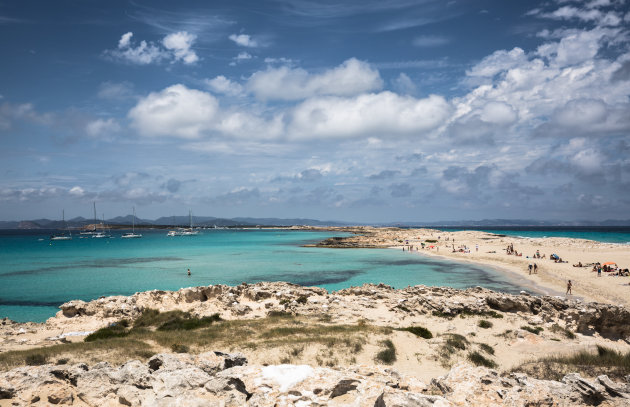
530 267
599 271
188 271
535 268
569 285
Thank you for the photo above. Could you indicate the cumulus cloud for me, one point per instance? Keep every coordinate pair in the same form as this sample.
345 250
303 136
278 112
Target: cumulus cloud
181 112
174 47
284 83
176 111
367 114
244 40
102 128
221 84
498 61
180 44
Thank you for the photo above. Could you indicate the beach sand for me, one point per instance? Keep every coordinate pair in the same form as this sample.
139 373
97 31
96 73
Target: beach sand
551 277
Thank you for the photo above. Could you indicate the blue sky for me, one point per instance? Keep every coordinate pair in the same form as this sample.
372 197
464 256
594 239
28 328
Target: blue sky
360 111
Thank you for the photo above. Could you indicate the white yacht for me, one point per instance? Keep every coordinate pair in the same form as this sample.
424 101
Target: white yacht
132 234
63 235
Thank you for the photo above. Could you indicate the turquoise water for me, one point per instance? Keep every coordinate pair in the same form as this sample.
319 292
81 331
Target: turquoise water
619 234
36 276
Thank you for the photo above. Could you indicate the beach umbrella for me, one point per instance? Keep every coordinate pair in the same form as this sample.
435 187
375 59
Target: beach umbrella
608 263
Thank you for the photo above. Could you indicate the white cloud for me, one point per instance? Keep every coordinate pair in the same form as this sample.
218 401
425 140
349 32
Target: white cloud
125 40
175 47
221 84
350 78
102 128
368 114
142 54
498 113
497 62
76 191
179 43
425 41
590 15
403 84
581 112
175 112
244 40
178 111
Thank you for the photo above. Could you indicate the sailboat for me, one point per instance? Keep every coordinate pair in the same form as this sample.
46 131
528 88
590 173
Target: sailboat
103 233
63 235
93 232
190 231
132 234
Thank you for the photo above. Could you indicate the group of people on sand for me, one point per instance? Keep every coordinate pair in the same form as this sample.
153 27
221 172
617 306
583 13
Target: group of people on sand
538 256
510 250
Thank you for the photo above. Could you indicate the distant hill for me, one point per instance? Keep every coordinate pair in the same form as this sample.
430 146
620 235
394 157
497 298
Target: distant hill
210 221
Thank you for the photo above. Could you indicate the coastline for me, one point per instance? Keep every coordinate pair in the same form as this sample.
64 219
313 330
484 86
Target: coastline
534 287
488 249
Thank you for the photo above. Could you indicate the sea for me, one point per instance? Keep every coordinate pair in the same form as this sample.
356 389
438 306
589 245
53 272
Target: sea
37 274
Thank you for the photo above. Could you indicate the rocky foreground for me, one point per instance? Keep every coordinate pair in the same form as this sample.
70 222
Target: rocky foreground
219 379
229 376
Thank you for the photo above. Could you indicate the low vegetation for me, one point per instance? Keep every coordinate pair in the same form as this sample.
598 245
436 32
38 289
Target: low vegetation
479 360
484 324
591 363
557 329
176 331
418 331
387 355
533 329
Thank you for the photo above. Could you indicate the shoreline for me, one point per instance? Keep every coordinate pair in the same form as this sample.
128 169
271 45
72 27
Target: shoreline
488 249
515 277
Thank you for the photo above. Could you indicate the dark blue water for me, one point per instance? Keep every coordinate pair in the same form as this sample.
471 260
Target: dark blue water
37 275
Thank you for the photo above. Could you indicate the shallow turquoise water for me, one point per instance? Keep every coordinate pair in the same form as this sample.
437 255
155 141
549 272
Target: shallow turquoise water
36 276
607 234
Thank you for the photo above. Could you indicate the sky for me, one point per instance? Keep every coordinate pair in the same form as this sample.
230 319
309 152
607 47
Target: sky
364 111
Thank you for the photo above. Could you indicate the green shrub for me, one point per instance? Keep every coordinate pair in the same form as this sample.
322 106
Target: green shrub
533 329
442 314
555 328
153 317
36 359
486 348
188 324
484 324
418 331
387 355
179 348
302 299
431 241
479 360
457 341
112 331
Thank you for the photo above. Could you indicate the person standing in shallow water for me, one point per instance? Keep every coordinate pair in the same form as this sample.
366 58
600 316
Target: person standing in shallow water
569 285
188 271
